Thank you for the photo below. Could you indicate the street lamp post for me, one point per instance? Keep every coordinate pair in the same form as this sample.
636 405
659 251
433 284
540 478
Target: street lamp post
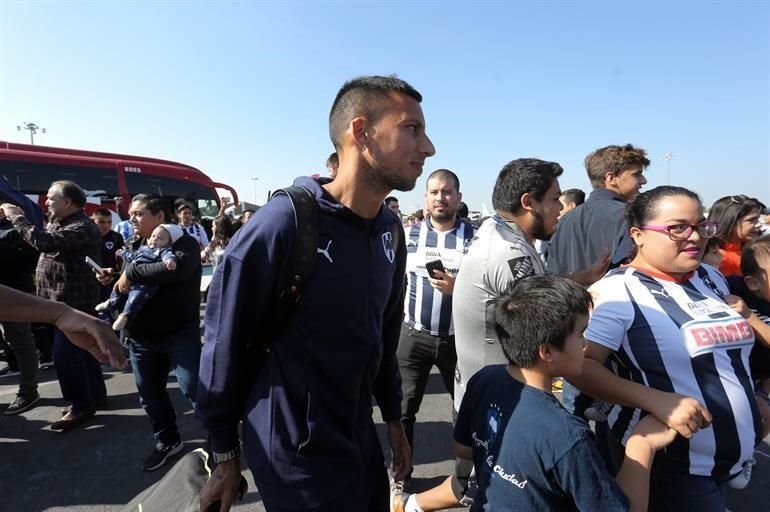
32 127
255 179
668 157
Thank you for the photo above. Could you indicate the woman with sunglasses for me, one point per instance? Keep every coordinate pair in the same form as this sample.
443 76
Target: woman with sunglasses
738 220
677 351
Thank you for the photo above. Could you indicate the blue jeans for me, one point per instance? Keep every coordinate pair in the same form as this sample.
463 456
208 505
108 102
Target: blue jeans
79 373
151 364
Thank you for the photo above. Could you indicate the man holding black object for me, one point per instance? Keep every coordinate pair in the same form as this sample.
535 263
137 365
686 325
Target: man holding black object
434 251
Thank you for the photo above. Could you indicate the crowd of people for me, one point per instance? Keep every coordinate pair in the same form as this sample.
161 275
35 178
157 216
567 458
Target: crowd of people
650 313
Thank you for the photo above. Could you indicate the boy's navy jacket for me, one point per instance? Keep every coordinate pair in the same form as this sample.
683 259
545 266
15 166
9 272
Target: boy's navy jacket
308 429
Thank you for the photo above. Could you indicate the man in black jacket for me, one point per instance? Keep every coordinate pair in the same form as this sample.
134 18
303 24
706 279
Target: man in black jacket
165 334
18 260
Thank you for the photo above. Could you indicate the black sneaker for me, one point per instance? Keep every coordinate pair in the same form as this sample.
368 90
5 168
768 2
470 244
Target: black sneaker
22 403
160 455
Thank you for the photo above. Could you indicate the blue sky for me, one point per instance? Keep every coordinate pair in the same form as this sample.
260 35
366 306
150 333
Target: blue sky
243 89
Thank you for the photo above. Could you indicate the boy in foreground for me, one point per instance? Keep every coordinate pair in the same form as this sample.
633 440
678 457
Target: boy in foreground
528 452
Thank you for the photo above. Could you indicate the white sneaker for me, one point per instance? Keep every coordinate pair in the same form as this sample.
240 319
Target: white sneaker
741 480
103 306
398 496
121 322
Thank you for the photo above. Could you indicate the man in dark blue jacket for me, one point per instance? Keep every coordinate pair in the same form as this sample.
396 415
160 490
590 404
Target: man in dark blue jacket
309 437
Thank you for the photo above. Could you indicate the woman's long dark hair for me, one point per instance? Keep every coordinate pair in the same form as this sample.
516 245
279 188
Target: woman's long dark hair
224 231
728 210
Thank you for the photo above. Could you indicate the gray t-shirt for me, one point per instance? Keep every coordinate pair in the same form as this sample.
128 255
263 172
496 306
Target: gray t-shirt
499 254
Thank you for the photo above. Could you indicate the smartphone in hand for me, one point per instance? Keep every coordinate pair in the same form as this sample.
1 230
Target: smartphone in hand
94 265
434 265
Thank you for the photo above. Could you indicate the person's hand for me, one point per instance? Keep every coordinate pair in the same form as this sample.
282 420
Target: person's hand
402 452
93 335
684 414
11 210
223 485
738 305
170 264
105 277
656 434
123 284
442 281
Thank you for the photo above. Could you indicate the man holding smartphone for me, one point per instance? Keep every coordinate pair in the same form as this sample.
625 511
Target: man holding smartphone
434 251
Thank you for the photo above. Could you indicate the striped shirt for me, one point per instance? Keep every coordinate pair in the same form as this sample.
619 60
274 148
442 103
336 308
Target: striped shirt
425 308
682 338
196 231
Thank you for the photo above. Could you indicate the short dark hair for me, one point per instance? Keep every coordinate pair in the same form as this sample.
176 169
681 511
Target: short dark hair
364 96
614 159
72 191
248 210
444 173
536 310
518 177
754 254
333 160
728 210
102 212
390 199
155 204
574 195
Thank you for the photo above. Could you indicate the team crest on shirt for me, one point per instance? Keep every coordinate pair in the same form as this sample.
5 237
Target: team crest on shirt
387 246
109 245
521 267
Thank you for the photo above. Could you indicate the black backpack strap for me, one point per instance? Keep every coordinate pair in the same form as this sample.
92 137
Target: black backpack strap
303 257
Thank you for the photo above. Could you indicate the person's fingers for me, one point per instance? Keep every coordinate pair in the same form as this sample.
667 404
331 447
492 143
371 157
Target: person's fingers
705 414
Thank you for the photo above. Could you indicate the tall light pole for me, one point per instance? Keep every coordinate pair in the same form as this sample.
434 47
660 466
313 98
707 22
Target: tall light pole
668 157
255 179
32 127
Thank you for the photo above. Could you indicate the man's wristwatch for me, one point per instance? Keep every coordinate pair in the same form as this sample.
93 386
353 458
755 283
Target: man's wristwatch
224 457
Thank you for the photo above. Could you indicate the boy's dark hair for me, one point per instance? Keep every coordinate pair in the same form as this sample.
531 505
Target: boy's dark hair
536 310
155 204
521 176
102 212
249 210
728 210
364 96
390 199
72 191
444 173
574 195
333 160
613 159
754 255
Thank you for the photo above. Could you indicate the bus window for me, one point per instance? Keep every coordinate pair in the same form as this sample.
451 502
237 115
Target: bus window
208 208
35 178
198 194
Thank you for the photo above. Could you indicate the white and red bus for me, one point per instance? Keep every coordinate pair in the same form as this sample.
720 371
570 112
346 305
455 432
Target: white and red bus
31 170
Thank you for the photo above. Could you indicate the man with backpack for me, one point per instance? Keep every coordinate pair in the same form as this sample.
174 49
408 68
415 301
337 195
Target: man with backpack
308 432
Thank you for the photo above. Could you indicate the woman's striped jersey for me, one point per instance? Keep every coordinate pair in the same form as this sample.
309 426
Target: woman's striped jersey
682 338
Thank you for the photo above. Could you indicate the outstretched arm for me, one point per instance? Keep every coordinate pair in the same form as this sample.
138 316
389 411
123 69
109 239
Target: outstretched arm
81 329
